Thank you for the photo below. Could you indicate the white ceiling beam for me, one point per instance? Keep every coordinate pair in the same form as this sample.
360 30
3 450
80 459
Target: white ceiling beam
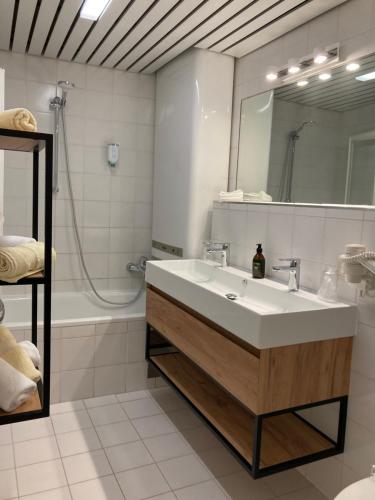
62 26
43 23
6 16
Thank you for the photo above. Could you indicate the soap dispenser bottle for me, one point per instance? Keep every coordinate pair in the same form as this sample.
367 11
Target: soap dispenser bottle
259 263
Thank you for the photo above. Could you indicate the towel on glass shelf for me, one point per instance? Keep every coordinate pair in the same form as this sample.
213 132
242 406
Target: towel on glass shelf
21 261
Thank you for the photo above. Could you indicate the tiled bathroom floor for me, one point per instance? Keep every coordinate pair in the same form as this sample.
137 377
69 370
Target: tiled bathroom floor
139 445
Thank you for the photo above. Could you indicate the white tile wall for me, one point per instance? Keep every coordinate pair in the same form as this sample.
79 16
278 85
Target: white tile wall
113 205
317 235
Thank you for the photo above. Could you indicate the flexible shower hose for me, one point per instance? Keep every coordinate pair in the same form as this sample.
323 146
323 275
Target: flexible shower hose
76 230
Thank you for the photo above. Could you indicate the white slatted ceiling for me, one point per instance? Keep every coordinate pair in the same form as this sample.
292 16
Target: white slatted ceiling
6 16
112 12
24 20
277 29
132 15
45 17
136 43
79 31
182 10
253 10
64 21
206 10
141 29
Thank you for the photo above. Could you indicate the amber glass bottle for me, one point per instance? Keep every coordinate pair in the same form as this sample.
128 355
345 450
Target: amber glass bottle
259 263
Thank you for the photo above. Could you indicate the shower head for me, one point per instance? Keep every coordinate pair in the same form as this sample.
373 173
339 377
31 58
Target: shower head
65 85
305 124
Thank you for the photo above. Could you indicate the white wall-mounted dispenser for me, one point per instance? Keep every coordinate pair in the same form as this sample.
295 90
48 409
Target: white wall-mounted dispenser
112 154
357 266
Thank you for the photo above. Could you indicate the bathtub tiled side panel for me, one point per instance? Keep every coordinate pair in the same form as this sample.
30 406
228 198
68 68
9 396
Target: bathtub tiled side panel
96 359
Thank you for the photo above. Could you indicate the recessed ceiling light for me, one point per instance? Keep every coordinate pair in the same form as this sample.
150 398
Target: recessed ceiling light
320 58
294 69
366 77
93 9
325 76
352 66
302 83
271 76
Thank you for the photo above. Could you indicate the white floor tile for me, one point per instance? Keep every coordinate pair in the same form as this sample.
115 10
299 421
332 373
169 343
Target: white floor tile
103 415
8 484
185 419
165 496
220 462
32 452
201 438
104 488
128 456
203 491
287 482
59 494
184 471
100 401
307 494
6 457
32 429
168 446
117 433
86 466
167 399
143 482
242 486
131 396
5 434
153 426
67 407
34 478
141 408
72 421
80 441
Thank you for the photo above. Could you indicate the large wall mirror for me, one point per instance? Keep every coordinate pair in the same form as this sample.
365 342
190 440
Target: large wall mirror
313 143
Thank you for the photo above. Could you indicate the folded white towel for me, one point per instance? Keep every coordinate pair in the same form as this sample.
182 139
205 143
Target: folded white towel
231 195
32 351
18 119
261 196
15 241
15 388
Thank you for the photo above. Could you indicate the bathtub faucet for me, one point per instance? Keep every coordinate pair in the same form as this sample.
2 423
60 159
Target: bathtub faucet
140 267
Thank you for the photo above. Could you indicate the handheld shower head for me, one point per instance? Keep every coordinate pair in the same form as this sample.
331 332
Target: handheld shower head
295 133
65 85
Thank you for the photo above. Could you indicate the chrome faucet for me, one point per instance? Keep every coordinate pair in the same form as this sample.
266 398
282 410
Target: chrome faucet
294 269
216 251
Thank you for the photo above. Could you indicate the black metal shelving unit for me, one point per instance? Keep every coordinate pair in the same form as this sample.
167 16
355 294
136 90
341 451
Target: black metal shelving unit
35 143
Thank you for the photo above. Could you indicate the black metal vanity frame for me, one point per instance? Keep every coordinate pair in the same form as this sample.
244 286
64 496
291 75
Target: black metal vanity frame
254 468
35 142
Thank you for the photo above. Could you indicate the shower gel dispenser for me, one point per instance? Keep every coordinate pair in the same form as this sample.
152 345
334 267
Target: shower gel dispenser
259 263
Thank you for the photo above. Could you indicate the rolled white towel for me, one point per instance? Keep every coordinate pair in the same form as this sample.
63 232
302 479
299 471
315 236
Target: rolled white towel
18 119
231 195
32 351
15 388
15 241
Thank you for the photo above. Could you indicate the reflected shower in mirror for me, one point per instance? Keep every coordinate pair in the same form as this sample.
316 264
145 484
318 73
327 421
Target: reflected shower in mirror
313 143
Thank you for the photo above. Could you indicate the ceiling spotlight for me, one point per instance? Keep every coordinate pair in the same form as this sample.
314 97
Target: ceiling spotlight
93 9
302 83
292 70
325 76
271 76
320 58
366 77
352 66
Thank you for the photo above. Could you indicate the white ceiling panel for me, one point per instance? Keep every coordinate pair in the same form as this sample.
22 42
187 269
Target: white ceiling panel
253 9
183 10
105 23
144 35
135 11
158 12
42 26
192 22
6 16
66 17
78 34
25 16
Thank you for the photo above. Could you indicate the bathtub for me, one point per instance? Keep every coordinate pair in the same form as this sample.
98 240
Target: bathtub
95 350
72 308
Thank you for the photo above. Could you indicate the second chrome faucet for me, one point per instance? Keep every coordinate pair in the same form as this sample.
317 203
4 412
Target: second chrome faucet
294 269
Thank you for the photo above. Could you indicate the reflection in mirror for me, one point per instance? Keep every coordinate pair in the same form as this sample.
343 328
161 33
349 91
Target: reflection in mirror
312 143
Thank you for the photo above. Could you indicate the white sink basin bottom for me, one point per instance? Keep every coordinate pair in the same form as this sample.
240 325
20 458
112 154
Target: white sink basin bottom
263 313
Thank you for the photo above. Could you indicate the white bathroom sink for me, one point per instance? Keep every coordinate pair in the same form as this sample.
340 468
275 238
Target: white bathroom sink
263 313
